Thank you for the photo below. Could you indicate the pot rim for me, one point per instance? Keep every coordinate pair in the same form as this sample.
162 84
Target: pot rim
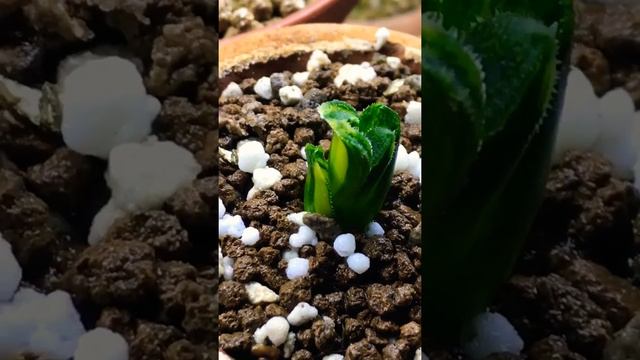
243 51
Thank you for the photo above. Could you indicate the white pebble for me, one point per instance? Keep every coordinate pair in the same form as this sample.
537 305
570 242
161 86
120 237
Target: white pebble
290 95
352 73
251 156
104 104
374 229
250 236
382 35
263 88
298 267
138 173
231 225
290 254
227 264
10 271
402 160
103 220
101 344
394 87
358 262
317 59
420 355
579 124
345 244
264 178
333 357
45 324
300 78
494 334
221 209
303 153
276 329
259 293
394 62
414 113
302 313
618 141
304 236
232 90
297 218
290 345
414 164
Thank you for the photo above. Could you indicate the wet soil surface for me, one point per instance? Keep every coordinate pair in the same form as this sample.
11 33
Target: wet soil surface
154 278
375 315
575 293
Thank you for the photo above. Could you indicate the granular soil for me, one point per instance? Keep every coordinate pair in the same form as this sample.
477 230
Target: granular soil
575 293
154 278
239 16
375 315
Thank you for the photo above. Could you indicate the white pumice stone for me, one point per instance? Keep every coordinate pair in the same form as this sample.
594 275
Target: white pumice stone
394 87
414 164
101 344
304 236
352 73
394 62
259 293
618 140
303 153
579 124
290 254
231 225
333 357
402 160
276 329
138 173
103 220
232 90
45 324
260 335
263 88
297 218
300 78
298 267
494 334
10 271
289 345
290 95
345 244
317 59
251 156
250 236
358 262
221 209
227 264
382 35
374 229
104 104
302 313
264 178
414 113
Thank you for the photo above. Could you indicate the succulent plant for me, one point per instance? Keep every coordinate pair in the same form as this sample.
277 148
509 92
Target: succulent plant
351 184
493 73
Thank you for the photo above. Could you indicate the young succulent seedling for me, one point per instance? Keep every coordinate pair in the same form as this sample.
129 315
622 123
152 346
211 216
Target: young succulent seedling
351 184
493 72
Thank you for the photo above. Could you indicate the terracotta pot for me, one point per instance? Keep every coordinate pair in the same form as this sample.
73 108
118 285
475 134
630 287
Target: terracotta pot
318 11
265 52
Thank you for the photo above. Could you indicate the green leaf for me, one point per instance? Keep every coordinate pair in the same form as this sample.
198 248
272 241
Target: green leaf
317 195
